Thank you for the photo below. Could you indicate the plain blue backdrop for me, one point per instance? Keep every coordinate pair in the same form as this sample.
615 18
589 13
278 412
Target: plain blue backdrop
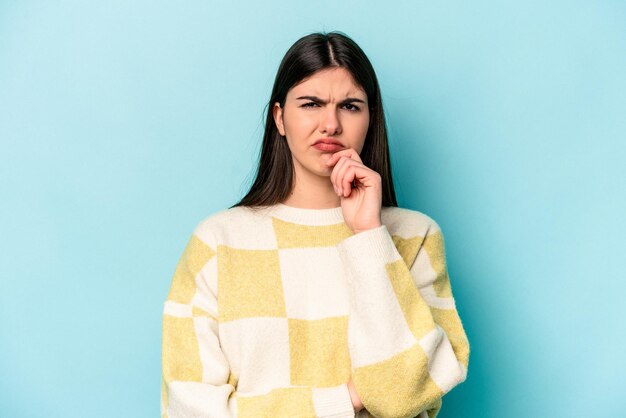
123 124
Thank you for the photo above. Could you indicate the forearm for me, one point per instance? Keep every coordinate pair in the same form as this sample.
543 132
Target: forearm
393 335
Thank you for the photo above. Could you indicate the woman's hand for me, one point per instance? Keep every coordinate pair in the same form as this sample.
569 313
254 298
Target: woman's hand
354 397
361 204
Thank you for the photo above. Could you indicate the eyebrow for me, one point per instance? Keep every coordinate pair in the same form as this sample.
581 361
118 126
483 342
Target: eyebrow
317 99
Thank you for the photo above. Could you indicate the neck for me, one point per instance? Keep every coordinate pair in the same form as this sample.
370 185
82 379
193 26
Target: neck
312 191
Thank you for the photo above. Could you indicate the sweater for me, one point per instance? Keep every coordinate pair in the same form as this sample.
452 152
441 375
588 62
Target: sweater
271 312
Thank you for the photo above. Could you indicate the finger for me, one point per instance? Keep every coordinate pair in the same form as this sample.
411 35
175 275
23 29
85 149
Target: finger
344 177
335 175
364 175
341 166
349 176
348 152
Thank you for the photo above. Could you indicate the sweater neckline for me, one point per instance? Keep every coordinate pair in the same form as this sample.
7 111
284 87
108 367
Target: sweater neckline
306 216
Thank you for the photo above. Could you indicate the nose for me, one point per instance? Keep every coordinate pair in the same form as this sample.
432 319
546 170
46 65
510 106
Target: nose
330 124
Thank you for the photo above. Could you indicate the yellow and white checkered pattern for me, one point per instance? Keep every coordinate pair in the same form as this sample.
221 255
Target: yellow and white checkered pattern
271 313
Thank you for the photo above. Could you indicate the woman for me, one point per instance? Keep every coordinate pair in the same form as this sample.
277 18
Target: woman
315 295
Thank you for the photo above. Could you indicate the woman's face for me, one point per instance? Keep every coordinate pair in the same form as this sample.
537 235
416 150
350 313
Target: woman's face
327 105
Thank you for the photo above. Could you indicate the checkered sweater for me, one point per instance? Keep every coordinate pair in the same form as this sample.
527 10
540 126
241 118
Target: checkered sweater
271 312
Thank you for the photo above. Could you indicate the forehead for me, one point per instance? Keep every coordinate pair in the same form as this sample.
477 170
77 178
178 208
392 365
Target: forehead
336 82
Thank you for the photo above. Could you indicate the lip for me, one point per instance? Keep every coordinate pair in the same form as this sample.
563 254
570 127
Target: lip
328 147
328 144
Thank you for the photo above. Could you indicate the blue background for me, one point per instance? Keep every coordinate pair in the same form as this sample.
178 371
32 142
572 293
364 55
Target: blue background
123 124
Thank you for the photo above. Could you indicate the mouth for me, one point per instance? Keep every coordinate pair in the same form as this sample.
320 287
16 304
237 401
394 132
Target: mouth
328 144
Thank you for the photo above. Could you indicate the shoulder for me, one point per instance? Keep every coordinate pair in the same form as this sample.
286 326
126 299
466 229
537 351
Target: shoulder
408 223
231 225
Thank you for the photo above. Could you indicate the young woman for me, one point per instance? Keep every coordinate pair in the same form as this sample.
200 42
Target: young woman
315 295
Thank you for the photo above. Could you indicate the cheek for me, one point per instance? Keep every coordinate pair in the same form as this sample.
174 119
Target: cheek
300 123
365 125
362 133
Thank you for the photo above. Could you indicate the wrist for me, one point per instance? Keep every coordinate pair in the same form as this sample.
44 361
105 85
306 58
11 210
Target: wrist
373 226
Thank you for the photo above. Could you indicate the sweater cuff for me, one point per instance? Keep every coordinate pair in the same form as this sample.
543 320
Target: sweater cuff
368 247
333 402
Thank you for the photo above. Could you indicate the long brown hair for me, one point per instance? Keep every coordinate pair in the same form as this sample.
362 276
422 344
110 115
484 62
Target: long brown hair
311 53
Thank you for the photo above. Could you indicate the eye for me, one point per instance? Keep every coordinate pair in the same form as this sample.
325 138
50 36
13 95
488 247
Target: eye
347 106
352 107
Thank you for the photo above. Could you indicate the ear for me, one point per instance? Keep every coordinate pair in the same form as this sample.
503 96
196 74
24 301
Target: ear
277 111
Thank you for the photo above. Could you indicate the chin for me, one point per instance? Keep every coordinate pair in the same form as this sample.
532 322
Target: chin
322 173
325 170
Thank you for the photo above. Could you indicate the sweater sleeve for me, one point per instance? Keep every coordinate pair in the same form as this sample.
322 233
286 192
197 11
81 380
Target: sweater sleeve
197 380
406 341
